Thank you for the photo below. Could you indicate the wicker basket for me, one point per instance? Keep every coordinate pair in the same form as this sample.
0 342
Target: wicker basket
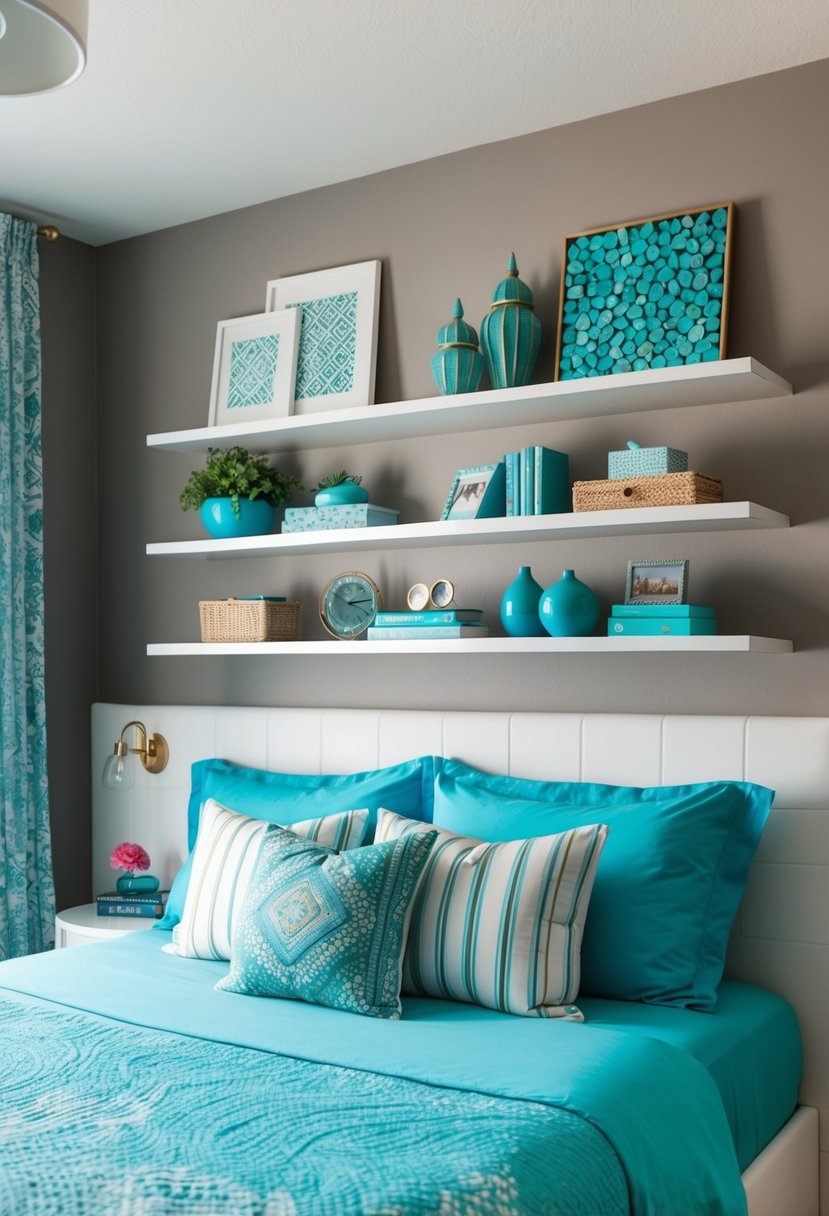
234 620
661 490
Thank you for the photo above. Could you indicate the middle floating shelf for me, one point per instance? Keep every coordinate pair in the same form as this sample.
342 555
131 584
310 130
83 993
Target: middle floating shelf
631 521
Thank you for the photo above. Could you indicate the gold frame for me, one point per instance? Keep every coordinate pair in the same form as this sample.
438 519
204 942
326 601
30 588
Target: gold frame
653 219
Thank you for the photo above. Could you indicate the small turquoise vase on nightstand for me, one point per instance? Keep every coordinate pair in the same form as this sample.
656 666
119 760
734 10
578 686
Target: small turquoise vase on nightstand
511 332
458 365
519 606
136 882
569 609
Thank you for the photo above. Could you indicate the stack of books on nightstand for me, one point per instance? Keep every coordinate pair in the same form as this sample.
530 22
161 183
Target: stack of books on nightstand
431 624
150 904
661 620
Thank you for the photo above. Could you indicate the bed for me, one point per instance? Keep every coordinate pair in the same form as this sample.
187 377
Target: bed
132 1084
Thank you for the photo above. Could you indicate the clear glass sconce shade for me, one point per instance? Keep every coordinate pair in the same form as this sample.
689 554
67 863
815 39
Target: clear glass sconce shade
119 773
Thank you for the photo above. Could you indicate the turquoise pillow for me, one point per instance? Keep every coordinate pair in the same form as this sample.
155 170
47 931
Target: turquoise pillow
287 798
669 882
326 927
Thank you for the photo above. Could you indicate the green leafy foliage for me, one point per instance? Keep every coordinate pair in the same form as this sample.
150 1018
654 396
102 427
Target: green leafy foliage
234 474
338 479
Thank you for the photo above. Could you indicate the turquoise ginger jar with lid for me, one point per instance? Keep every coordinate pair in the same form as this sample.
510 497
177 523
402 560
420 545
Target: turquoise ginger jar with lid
458 365
569 609
511 332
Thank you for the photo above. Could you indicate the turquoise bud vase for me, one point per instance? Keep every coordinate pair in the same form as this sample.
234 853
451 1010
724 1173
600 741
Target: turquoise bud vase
519 606
511 332
569 609
129 881
458 365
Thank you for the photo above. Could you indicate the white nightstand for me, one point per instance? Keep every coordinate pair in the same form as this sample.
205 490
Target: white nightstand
82 925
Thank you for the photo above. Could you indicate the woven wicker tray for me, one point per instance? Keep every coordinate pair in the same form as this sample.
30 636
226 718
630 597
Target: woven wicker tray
661 490
234 620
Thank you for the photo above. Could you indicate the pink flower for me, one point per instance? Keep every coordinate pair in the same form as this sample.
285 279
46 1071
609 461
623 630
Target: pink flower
130 857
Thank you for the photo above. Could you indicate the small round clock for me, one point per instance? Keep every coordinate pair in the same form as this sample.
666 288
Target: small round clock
417 597
348 604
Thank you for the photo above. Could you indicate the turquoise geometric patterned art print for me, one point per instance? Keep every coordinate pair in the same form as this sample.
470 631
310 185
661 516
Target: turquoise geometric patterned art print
647 294
327 345
252 371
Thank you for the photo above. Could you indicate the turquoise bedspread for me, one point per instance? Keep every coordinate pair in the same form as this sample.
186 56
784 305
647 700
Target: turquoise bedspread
153 1093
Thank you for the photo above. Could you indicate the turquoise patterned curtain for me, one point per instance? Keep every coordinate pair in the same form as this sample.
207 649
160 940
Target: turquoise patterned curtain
27 895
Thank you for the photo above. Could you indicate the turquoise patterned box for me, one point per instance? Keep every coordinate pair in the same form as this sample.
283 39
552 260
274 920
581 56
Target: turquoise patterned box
352 515
634 461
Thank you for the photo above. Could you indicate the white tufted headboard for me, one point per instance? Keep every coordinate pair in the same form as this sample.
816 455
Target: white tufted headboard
781 938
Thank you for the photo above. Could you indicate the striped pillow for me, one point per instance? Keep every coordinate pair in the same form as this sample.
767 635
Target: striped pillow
224 859
500 924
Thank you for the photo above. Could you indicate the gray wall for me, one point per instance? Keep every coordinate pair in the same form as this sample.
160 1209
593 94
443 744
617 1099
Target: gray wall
444 228
70 545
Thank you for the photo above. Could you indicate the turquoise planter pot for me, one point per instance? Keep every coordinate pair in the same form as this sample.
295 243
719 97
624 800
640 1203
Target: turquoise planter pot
136 882
511 332
569 609
343 495
256 517
519 606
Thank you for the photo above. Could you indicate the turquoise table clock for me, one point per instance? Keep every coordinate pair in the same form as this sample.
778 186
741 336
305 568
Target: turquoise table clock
348 604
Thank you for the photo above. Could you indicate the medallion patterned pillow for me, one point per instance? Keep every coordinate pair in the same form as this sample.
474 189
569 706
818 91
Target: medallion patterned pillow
500 924
326 927
223 861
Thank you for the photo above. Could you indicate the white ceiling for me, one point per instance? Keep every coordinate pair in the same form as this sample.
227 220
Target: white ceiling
188 108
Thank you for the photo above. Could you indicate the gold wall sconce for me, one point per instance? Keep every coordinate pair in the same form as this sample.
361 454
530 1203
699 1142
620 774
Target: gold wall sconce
119 770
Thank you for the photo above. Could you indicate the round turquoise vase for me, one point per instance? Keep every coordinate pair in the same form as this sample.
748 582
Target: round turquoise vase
136 882
519 606
256 517
458 365
345 494
511 332
569 609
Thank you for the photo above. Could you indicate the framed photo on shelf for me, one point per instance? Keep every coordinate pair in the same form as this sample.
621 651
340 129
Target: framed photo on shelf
644 294
477 493
657 582
254 367
337 358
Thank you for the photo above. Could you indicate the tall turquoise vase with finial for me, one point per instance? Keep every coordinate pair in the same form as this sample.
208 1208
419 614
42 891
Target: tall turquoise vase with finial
511 332
458 364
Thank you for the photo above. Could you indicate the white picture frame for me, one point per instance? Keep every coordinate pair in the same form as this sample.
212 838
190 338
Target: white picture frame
337 358
254 367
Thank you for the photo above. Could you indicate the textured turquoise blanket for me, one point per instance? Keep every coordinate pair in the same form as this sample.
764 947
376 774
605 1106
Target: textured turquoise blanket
169 1097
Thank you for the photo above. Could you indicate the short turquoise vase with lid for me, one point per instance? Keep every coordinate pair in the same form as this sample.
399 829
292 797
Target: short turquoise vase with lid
511 332
569 609
458 365
519 606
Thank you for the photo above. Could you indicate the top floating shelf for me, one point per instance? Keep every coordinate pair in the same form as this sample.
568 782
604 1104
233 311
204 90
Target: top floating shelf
715 383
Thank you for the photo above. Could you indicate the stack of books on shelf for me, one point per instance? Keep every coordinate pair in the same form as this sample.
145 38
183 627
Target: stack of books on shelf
538 481
348 515
431 624
148 904
661 620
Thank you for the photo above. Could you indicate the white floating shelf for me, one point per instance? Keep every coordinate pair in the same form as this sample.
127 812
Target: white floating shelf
741 643
630 521
713 383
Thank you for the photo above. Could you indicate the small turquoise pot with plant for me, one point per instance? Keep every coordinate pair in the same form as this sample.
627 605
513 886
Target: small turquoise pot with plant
569 609
340 489
255 517
237 493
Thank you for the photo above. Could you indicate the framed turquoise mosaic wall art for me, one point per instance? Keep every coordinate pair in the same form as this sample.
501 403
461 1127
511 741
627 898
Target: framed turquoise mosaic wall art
643 294
338 340
254 367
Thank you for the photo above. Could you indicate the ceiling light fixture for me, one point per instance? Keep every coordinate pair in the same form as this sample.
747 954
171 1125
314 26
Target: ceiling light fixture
42 46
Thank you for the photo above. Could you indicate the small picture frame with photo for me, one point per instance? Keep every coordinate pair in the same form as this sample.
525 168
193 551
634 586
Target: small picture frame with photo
662 581
477 493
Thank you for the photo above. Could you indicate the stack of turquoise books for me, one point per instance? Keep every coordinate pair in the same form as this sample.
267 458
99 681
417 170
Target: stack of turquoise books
537 481
658 620
430 624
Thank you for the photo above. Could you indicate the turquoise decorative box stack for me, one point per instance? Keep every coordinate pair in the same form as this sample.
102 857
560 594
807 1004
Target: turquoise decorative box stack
352 515
636 461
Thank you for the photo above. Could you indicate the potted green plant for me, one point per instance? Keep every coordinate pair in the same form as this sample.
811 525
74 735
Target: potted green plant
237 493
340 488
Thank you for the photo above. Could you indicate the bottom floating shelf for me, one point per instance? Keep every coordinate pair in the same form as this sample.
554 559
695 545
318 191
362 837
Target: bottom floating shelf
739 643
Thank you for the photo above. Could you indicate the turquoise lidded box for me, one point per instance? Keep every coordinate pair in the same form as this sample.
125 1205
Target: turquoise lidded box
511 332
458 365
636 461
